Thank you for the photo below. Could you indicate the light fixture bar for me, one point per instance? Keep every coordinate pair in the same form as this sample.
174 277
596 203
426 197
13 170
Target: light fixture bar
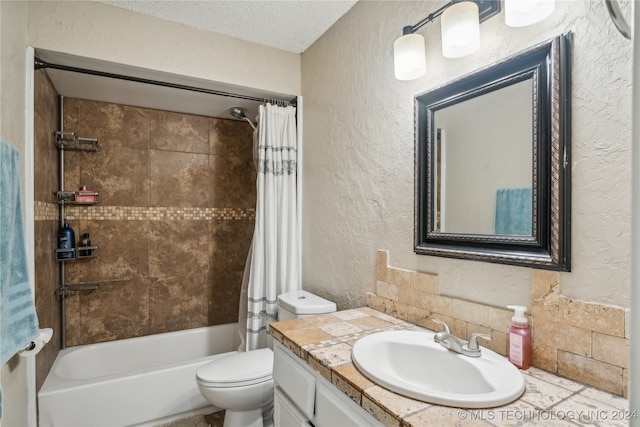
486 9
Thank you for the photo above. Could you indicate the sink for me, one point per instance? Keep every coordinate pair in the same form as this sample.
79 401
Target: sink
410 363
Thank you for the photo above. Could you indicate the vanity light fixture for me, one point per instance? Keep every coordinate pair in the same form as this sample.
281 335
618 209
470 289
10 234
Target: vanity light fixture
460 28
460 35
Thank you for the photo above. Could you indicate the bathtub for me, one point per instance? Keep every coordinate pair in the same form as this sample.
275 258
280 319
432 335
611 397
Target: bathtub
142 381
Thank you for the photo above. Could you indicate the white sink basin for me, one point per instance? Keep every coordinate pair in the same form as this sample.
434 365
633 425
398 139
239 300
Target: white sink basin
412 364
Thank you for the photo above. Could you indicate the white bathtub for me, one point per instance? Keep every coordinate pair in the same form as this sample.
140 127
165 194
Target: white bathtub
133 382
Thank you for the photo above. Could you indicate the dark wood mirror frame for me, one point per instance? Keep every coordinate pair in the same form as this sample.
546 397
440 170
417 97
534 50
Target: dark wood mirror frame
548 65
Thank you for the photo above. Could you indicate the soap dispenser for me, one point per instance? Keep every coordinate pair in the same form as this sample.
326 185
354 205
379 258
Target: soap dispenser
519 338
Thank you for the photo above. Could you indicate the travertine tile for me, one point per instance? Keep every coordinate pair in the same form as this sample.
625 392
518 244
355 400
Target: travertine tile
307 335
441 304
315 364
354 393
381 265
339 329
554 379
288 325
562 337
542 394
375 301
545 291
625 383
409 296
399 277
589 371
470 311
593 316
424 282
609 399
544 357
349 314
387 290
627 324
419 317
437 416
370 323
585 411
322 319
348 372
612 350
499 319
379 413
393 403
334 355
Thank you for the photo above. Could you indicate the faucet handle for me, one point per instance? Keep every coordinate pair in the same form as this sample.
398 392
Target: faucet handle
473 340
444 325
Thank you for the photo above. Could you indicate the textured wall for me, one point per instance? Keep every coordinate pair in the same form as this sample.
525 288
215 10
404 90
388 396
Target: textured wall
173 224
96 30
359 154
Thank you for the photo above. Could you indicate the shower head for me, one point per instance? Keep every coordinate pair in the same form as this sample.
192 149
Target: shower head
238 113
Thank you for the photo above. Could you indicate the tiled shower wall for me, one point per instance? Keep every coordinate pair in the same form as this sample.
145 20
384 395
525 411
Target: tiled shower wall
46 225
173 224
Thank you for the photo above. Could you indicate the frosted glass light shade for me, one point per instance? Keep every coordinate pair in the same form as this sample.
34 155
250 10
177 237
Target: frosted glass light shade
520 13
460 24
409 57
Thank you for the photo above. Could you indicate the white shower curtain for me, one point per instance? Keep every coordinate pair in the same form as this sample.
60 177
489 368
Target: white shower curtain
273 262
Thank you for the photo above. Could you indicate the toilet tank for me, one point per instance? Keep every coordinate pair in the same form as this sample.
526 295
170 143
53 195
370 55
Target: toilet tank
298 304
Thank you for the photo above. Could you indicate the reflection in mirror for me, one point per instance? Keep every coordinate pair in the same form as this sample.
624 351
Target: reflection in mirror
492 162
497 180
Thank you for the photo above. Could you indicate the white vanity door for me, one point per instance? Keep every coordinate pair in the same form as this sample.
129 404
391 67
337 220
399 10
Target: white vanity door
285 413
334 408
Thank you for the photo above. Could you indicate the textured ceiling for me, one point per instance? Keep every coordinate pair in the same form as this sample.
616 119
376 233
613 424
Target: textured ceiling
291 25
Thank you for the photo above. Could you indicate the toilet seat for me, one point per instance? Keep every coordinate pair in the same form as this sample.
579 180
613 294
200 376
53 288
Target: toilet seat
238 369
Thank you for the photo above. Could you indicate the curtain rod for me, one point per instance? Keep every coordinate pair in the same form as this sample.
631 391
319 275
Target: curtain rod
39 64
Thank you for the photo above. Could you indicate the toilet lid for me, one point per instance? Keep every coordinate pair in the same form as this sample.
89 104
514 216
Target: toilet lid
238 369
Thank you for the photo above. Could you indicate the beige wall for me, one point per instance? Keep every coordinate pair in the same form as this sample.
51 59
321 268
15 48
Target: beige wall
13 21
99 31
359 154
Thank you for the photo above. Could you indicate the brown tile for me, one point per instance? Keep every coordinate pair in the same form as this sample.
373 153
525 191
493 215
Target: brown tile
393 403
592 372
231 138
114 125
322 320
120 175
347 388
178 249
185 133
117 310
290 325
234 181
229 243
316 365
177 303
179 179
379 413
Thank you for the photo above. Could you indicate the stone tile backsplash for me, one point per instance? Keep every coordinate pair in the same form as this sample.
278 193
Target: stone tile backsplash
580 340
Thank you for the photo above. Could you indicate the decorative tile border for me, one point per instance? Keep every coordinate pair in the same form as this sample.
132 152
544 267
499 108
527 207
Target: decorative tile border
49 211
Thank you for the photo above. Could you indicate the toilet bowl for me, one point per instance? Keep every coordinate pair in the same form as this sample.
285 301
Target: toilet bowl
242 382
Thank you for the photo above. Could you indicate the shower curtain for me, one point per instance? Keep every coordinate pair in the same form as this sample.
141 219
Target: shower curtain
272 265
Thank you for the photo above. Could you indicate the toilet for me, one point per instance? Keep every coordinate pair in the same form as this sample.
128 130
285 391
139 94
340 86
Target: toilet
242 382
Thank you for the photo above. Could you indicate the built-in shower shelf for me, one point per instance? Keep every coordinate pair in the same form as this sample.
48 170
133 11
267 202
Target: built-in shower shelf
77 253
69 141
69 198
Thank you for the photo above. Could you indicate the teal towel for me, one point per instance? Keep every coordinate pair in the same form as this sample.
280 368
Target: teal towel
513 211
18 321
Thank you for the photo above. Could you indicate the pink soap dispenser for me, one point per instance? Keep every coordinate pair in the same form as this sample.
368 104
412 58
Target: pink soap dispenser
519 338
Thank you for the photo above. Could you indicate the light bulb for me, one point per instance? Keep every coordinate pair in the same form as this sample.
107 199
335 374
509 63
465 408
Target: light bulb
520 13
409 57
460 29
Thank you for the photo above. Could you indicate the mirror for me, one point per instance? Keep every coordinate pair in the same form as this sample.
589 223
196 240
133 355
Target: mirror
492 162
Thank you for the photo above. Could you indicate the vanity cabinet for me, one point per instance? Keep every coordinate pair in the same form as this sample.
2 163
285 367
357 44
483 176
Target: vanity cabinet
303 397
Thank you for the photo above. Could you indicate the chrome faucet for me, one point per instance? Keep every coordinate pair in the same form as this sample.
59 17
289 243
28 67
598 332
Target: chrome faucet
449 341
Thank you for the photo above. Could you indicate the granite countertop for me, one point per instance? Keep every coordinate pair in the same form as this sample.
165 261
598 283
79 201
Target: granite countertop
324 342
